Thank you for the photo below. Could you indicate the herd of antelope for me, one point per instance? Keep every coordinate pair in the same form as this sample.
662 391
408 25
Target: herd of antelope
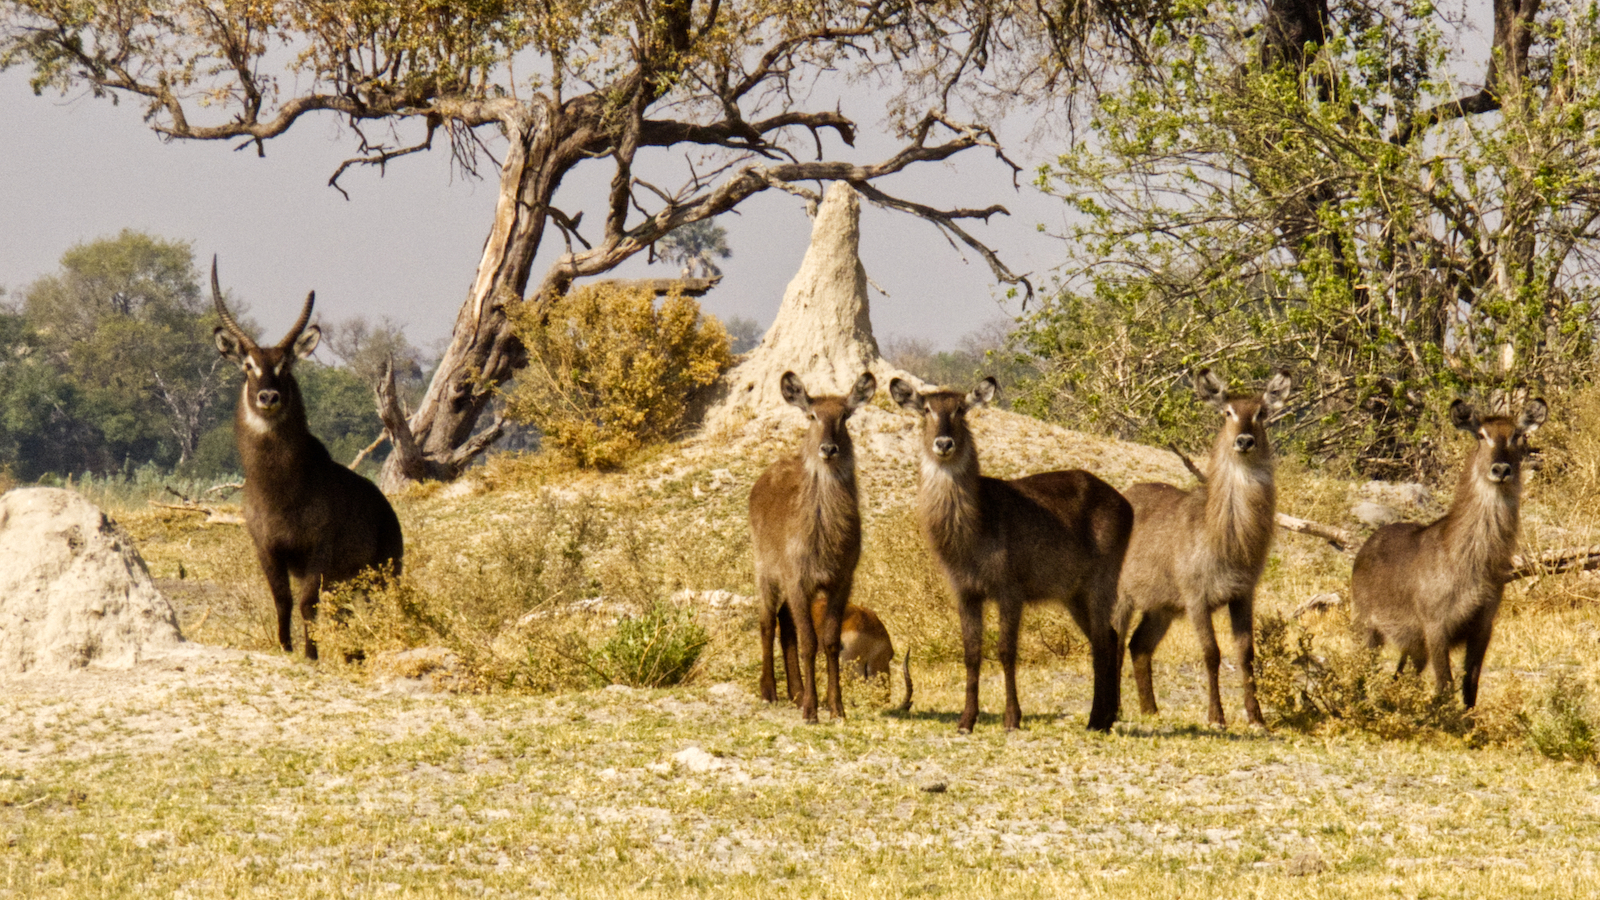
1156 550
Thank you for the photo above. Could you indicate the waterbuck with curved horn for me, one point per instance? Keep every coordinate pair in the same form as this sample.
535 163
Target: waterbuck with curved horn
311 518
1429 588
1194 552
1054 536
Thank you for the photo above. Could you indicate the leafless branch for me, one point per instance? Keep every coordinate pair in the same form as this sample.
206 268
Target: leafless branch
382 157
368 450
1188 463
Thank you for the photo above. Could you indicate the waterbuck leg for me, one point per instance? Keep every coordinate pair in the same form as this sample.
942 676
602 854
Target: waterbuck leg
1105 646
1009 612
769 628
806 635
788 640
1439 660
1200 617
971 609
1472 666
1142 646
310 591
1241 617
832 621
282 598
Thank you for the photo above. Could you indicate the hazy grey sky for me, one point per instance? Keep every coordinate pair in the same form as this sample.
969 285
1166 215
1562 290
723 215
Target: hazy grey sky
406 245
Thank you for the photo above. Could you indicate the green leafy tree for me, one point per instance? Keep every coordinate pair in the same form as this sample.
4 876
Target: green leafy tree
339 408
1306 184
695 246
123 324
744 334
41 429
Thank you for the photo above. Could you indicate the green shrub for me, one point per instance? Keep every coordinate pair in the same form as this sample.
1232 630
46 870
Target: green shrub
657 649
1562 726
609 372
1349 688
505 603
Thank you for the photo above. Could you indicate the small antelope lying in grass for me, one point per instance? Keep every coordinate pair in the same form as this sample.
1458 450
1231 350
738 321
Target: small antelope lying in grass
1196 551
806 528
864 640
1053 536
310 517
1430 588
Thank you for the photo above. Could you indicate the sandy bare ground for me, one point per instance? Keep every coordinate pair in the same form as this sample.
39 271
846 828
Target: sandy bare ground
231 756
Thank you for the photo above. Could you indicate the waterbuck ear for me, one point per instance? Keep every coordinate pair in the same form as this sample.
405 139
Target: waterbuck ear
1210 389
866 386
229 345
794 391
905 396
982 394
1533 415
306 343
1277 391
1462 416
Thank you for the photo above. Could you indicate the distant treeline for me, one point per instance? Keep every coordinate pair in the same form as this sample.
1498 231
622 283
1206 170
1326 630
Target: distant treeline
109 365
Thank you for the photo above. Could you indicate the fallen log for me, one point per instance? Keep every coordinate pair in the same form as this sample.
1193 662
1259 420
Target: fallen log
1342 540
214 516
1555 562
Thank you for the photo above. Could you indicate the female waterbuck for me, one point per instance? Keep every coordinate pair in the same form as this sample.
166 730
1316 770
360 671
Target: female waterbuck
310 518
1195 551
806 529
1053 536
1429 588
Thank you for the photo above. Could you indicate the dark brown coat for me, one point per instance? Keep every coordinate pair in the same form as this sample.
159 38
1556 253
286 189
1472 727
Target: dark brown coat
1057 536
1429 588
311 519
806 530
1194 552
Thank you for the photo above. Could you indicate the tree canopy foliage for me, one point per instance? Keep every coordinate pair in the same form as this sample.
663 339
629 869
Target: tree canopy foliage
108 364
1320 185
751 88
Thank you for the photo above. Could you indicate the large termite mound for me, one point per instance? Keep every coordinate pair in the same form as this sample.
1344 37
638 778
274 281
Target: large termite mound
824 334
73 590
823 331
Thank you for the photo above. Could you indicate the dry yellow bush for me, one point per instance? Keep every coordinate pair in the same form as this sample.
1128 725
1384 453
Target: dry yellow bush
609 372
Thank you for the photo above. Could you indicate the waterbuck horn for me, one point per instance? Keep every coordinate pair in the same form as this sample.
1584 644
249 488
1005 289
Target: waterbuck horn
300 323
222 311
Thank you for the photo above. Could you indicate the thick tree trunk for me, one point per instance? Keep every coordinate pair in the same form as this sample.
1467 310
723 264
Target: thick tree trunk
483 352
